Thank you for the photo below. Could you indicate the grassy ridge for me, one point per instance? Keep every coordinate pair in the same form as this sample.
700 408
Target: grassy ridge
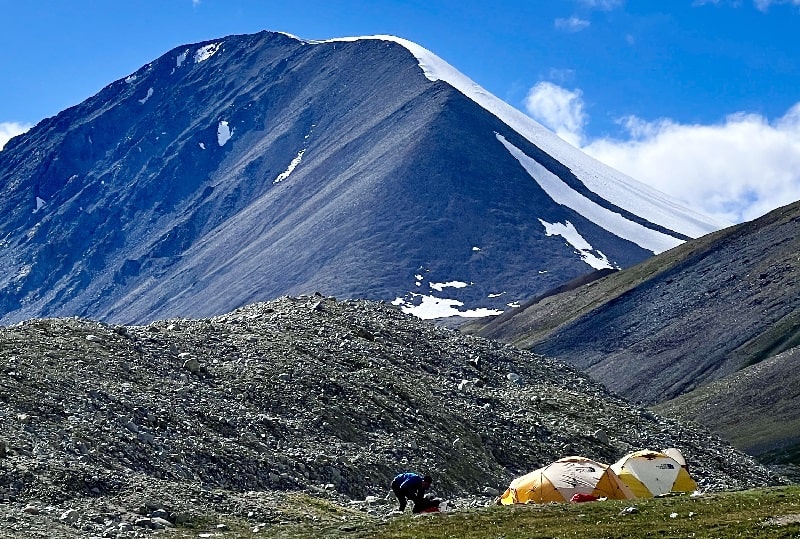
755 408
761 513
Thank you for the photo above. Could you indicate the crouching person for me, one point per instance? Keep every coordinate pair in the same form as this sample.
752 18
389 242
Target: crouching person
410 486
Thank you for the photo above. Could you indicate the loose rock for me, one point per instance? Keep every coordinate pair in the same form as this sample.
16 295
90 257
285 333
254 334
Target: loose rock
328 402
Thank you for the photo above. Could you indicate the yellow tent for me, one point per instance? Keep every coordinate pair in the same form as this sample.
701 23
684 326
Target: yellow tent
562 479
653 473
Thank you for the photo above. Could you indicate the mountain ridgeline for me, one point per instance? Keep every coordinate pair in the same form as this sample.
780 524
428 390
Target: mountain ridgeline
255 166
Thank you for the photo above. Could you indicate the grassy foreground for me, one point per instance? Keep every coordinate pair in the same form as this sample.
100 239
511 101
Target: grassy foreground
761 513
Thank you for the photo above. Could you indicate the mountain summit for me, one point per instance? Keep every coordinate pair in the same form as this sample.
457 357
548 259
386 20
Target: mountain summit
255 166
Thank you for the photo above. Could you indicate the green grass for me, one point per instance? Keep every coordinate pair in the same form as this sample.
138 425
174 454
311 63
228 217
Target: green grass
762 513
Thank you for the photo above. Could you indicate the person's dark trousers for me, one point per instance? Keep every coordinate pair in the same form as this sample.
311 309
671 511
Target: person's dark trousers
400 496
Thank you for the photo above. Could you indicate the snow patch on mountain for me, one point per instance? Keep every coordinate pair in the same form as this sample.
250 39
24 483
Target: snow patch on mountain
451 284
430 307
296 161
224 133
147 97
204 53
573 237
561 193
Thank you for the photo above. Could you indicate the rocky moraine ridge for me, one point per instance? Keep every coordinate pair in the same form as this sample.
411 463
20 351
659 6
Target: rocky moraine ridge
115 431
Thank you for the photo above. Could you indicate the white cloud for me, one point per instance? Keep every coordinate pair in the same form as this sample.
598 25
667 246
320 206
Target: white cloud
573 24
559 109
763 5
605 5
8 130
735 170
561 75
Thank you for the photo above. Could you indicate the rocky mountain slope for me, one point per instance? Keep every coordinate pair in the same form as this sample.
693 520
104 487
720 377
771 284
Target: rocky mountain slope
105 430
720 309
691 315
248 167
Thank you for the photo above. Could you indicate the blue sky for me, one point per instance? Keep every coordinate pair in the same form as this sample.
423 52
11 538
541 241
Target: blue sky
699 98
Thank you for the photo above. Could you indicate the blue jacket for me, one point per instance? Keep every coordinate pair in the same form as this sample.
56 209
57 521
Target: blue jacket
409 484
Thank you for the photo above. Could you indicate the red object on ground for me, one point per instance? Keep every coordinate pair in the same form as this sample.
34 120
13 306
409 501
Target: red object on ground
580 498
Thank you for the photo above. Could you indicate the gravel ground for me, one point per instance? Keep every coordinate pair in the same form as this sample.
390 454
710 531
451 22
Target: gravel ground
118 431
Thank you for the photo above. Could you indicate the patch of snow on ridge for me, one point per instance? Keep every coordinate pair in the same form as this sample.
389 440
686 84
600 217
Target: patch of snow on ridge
569 233
610 184
296 161
431 307
428 307
181 58
147 97
451 284
204 53
224 133
561 193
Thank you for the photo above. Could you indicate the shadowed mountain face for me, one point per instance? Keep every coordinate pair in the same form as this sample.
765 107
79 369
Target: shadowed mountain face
679 320
261 165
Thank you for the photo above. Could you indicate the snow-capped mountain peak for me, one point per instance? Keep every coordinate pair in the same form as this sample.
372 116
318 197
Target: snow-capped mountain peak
612 185
248 167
